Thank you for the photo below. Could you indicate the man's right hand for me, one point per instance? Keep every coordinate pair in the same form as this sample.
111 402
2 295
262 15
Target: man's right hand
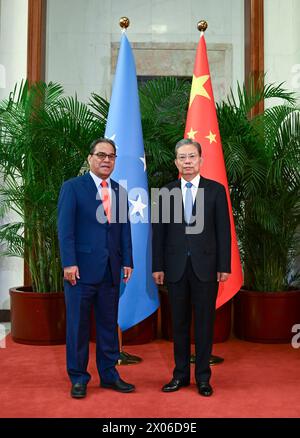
71 273
158 277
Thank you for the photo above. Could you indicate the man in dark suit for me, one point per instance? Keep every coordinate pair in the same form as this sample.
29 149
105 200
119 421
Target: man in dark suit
95 242
192 252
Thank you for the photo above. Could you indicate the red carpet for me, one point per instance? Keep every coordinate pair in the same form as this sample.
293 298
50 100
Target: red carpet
255 380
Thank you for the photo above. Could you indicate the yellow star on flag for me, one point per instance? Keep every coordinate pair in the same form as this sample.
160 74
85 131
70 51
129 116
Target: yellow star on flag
211 137
192 134
198 88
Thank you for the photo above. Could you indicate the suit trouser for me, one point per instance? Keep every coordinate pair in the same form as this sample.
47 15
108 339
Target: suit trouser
187 293
79 301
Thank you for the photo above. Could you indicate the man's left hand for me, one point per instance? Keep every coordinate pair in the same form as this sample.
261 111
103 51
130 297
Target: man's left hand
222 276
127 273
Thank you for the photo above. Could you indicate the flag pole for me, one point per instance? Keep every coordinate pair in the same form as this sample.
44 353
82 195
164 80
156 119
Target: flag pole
125 358
202 25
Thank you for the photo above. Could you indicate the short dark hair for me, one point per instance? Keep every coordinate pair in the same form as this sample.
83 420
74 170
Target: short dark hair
101 140
186 141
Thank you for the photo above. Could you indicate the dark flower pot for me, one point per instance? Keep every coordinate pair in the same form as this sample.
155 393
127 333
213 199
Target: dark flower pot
266 317
222 328
37 318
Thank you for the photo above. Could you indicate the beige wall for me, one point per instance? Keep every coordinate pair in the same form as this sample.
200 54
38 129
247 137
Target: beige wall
13 44
282 42
13 62
80 33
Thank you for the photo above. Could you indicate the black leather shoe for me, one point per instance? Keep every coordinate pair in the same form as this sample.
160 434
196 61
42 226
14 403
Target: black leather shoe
119 385
78 390
174 385
204 389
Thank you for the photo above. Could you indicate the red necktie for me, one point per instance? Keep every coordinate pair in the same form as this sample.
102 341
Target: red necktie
106 199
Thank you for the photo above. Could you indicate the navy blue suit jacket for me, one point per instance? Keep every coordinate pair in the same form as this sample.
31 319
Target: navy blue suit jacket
86 242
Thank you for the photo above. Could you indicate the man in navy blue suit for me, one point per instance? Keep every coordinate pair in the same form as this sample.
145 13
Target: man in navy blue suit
95 243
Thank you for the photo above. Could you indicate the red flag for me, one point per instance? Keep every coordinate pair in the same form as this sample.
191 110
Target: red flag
202 126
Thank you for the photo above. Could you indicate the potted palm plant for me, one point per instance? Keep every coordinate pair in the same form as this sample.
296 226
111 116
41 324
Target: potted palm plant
44 138
262 157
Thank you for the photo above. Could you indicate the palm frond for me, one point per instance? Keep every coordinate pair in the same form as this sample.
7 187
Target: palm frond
44 140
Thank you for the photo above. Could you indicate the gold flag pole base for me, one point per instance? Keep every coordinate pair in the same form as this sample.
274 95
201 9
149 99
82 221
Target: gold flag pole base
128 359
214 360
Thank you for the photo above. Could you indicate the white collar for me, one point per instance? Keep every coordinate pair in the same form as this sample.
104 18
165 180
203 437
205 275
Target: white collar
98 180
195 181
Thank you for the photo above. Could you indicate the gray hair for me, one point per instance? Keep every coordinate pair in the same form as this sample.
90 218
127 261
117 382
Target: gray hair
186 141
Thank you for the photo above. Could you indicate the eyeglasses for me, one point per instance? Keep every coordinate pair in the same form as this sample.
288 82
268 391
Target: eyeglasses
102 155
183 157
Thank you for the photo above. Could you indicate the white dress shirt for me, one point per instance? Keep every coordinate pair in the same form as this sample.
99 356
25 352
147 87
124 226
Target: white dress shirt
194 188
98 182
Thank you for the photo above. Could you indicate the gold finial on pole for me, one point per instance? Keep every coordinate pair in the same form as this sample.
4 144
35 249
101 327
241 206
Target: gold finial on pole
124 23
202 25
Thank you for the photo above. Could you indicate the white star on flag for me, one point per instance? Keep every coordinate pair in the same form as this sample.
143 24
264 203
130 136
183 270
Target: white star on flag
113 139
138 206
143 159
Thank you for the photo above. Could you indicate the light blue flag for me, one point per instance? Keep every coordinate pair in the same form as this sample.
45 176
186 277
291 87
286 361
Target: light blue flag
139 298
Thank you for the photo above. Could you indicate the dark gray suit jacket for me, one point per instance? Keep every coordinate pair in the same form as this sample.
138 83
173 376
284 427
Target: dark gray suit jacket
210 249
